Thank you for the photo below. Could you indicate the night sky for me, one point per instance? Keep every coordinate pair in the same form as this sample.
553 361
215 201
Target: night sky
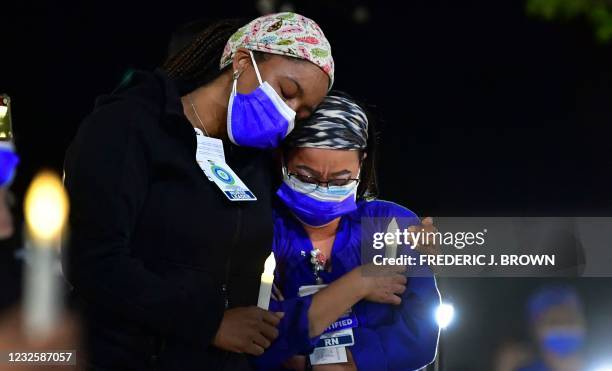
485 111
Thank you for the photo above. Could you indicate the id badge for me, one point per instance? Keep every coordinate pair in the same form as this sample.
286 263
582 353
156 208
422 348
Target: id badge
324 356
211 159
331 347
228 182
347 321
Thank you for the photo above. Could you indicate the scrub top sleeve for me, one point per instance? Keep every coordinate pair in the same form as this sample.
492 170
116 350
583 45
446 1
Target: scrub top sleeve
384 211
410 342
107 175
293 336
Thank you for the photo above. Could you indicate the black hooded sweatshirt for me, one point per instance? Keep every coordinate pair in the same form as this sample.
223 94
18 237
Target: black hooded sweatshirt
155 251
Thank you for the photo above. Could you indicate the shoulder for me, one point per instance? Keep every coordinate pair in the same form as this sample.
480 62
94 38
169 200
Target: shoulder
137 101
383 209
121 123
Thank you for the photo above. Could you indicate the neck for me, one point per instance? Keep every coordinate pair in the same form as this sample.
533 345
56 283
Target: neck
210 102
322 233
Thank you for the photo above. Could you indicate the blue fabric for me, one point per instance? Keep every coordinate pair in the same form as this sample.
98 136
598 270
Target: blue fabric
8 163
256 120
536 366
548 297
389 337
563 342
313 211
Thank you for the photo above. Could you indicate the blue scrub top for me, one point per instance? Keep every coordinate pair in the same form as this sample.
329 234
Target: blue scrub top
388 337
536 366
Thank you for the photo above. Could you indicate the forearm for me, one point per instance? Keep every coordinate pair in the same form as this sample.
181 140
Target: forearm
333 301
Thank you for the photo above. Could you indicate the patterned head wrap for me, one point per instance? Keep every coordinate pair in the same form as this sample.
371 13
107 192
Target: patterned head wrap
337 123
288 34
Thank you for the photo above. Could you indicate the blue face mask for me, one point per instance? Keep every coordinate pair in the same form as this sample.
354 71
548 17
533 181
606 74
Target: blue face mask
563 342
317 206
260 119
8 163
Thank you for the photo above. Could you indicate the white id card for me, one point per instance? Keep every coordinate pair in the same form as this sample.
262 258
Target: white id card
331 347
228 182
208 147
211 159
324 356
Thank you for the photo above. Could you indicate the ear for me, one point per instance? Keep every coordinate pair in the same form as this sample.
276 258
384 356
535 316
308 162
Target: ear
241 60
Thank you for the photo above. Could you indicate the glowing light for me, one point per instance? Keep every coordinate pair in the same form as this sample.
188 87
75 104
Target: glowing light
445 314
604 368
270 265
46 207
3 111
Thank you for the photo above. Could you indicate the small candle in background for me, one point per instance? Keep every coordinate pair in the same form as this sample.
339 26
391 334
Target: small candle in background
46 210
391 248
267 279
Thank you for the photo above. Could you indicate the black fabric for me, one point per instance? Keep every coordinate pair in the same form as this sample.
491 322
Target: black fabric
152 240
10 274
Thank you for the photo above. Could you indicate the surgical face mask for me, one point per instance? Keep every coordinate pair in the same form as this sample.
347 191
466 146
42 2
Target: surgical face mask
316 205
260 119
563 342
8 163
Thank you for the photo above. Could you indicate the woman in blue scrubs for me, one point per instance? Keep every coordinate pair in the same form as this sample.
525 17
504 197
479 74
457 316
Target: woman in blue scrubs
326 196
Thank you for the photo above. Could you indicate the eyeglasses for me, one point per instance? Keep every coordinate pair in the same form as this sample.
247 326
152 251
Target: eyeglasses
316 183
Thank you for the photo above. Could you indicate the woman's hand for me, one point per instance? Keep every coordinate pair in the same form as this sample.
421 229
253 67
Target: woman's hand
381 284
425 246
247 330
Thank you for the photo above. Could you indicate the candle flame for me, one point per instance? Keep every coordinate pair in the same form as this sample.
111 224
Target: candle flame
270 264
46 207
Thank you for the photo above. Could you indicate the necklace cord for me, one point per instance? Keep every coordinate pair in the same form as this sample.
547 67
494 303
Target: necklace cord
193 107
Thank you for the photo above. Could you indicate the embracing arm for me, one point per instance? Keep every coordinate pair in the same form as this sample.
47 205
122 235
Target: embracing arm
380 285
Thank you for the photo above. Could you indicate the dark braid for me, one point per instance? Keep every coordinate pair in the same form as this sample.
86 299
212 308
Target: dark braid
197 63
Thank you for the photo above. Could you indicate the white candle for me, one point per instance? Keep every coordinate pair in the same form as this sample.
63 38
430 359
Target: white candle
267 278
391 248
46 209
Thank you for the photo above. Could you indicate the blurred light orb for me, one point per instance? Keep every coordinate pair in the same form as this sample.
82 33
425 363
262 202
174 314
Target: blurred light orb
445 314
46 207
265 6
361 14
287 7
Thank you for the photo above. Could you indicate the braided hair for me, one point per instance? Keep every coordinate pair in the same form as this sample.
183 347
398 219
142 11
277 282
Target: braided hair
195 51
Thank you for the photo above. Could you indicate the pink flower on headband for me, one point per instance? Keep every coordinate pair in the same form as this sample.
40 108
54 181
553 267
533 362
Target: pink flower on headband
308 39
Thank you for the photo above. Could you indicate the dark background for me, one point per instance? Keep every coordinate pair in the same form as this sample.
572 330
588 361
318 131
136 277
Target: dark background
487 111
